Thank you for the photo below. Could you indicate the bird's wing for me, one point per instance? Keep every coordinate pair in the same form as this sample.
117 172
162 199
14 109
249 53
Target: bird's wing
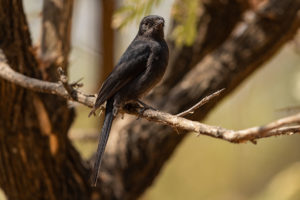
132 63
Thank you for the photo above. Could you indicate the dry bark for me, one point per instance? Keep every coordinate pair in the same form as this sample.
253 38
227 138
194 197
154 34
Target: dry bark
33 127
138 149
214 26
282 126
37 159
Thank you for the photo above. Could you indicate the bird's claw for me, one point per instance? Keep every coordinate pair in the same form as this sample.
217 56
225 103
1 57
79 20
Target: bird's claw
141 112
145 106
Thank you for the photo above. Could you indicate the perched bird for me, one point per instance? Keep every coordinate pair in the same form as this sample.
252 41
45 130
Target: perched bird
139 69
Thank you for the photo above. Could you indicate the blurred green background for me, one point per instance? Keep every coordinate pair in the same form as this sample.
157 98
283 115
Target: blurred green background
202 167
207 168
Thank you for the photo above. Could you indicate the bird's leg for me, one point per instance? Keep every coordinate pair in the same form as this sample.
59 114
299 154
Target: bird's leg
145 106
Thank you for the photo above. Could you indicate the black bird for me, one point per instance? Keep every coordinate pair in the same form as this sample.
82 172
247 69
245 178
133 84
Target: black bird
139 69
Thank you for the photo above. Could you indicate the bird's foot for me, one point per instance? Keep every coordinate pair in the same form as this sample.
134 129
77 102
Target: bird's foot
145 106
140 113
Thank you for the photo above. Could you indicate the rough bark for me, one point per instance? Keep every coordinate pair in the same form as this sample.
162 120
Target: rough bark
56 34
37 159
214 26
138 149
33 127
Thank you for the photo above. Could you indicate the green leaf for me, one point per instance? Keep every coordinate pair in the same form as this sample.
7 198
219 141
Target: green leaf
185 14
133 9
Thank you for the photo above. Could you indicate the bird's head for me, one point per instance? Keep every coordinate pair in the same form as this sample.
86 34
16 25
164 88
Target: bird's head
152 26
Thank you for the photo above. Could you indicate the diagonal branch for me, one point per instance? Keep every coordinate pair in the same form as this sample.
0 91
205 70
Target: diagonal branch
250 134
43 86
200 103
56 33
251 41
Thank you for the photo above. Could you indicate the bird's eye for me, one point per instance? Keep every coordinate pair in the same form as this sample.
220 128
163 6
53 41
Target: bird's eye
146 23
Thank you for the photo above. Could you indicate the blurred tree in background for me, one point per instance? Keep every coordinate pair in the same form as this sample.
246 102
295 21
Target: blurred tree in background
214 44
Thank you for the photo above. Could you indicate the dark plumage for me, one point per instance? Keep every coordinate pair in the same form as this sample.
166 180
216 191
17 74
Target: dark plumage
139 69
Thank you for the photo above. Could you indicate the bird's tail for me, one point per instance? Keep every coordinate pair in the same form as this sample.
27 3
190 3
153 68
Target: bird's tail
103 140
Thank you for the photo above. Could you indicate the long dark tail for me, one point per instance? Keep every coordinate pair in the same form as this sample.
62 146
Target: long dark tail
103 140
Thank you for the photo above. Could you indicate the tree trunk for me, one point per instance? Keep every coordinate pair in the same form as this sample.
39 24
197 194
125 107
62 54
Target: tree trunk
138 149
36 157
107 39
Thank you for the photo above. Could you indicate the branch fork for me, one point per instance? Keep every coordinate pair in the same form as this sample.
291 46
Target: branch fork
285 126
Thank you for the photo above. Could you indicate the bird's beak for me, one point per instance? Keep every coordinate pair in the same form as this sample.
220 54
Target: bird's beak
160 24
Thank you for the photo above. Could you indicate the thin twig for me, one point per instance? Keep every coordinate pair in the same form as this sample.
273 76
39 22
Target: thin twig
77 83
64 81
251 134
203 101
43 86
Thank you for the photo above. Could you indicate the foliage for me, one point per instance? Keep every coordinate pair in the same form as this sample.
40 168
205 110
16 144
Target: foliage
133 10
185 16
184 13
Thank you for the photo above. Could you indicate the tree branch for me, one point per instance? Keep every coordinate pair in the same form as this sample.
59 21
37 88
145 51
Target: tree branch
43 86
56 33
247 44
66 91
200 103
32 122
222 57
249 134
